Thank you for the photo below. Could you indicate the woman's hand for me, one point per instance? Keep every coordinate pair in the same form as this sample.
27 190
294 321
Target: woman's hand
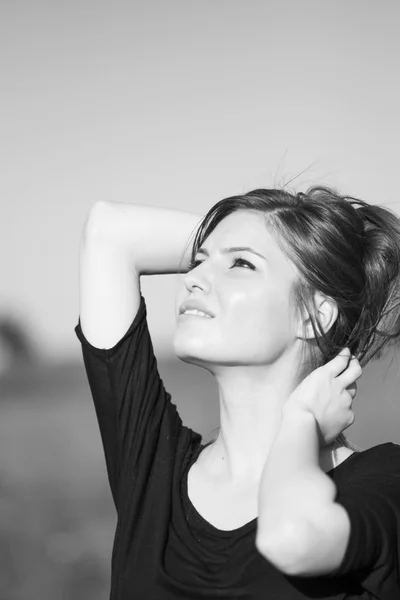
328 393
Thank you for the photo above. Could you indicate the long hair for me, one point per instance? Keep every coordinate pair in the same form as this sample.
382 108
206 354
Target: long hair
342 247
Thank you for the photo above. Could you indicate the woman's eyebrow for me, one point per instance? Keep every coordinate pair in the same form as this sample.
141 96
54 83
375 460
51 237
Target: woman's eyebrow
232 249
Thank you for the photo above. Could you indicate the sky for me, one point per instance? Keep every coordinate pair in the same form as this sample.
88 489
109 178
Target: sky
178 104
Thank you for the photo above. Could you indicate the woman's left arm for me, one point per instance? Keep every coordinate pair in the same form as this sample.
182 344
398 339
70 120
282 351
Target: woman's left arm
301 530
300 527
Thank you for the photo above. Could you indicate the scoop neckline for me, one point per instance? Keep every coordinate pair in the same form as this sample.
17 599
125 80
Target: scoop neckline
196 518
200 522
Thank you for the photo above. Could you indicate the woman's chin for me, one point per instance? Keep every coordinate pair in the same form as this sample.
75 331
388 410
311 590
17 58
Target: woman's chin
187 353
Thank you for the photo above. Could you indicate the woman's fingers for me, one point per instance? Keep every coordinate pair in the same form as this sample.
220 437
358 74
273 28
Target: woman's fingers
352 373
351 420
340 362
343 362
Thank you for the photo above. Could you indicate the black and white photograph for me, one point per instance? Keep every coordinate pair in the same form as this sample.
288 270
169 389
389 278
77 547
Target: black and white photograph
200 300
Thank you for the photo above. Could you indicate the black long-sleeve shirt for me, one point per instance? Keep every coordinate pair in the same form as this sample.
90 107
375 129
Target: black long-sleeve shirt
165 550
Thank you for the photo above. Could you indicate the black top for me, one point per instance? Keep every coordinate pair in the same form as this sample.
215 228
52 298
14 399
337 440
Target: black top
165 550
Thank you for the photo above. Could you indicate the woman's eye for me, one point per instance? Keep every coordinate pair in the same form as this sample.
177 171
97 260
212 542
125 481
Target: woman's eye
236 260
242 261
193 264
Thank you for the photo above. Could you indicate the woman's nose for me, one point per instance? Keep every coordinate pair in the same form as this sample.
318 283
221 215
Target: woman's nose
197 279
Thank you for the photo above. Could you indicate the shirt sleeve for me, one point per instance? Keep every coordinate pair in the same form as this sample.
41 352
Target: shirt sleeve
372 501
128 394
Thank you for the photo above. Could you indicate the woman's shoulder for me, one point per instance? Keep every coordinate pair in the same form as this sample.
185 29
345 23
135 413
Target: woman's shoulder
381 452
380 460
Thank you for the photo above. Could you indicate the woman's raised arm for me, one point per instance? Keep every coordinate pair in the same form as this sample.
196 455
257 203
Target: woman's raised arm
119 243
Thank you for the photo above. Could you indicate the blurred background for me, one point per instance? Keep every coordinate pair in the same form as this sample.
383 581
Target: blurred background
175 104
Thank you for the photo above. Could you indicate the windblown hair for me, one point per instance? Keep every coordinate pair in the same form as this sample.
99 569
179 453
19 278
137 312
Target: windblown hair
342 247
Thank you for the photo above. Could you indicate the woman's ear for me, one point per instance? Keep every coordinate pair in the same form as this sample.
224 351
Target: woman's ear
327 311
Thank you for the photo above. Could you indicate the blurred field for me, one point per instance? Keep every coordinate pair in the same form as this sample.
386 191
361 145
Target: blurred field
57 519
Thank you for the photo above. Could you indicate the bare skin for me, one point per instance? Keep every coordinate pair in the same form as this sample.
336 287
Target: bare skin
227 505
252 346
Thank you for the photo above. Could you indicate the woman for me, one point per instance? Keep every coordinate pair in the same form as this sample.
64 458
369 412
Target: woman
280 504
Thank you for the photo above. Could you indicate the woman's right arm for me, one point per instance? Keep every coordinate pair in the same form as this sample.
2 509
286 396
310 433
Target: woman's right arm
119 243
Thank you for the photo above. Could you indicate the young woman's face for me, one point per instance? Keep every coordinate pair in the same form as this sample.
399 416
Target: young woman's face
249 296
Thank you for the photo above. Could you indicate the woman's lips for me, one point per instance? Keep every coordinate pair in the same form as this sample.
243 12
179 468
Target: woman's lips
198 316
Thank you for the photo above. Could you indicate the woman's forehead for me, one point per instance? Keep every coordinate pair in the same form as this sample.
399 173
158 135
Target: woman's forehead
242 228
